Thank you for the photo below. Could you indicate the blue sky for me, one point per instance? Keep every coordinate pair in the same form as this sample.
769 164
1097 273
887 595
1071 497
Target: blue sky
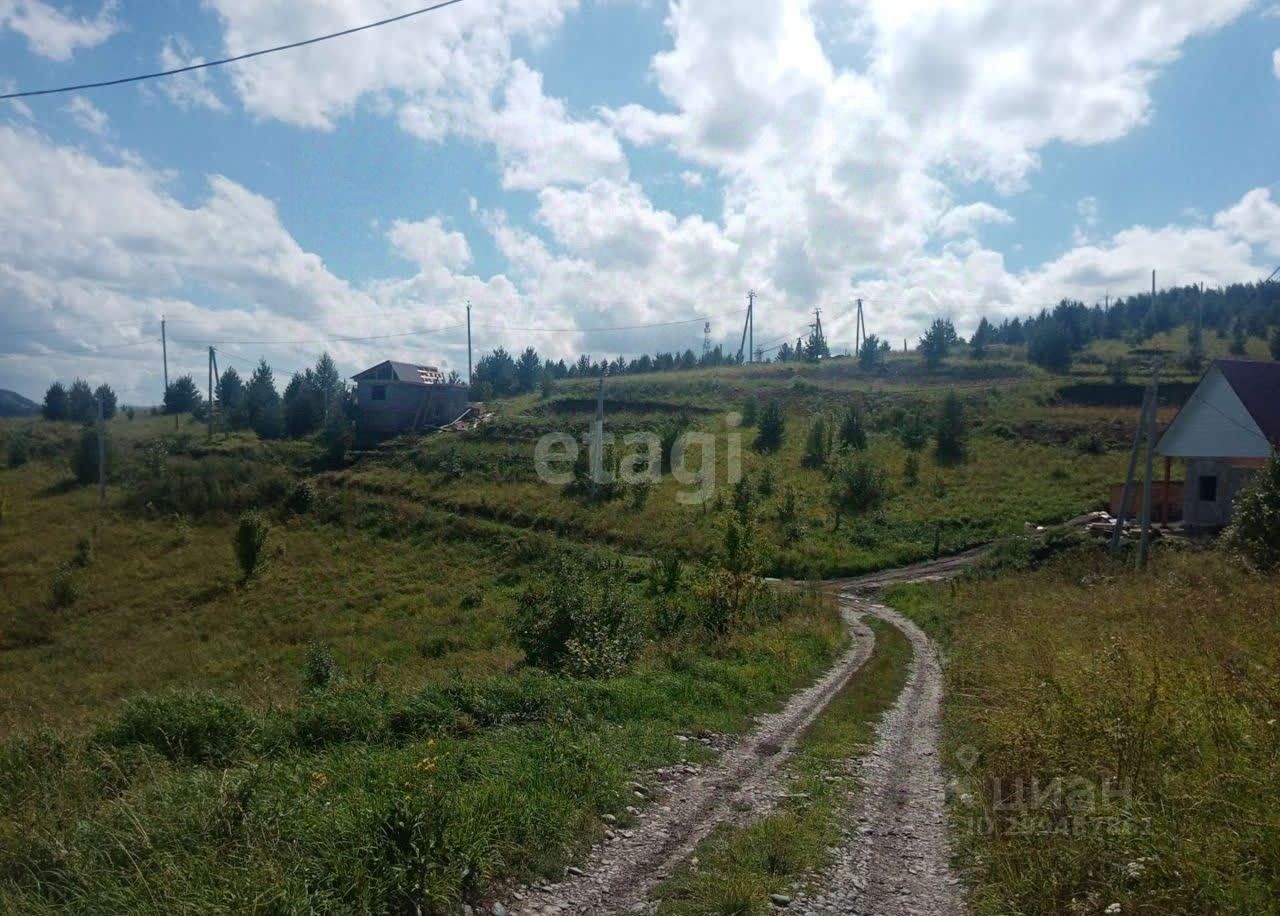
567 164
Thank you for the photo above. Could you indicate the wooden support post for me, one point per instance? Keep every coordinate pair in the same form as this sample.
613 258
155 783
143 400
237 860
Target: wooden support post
1127 493
1144 544
209 406
102 455
1164 508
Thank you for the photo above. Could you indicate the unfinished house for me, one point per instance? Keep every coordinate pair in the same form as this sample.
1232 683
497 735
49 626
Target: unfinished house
1224 433
397 397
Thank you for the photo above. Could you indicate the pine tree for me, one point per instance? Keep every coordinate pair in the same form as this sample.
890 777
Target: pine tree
772 427
55 402
952 429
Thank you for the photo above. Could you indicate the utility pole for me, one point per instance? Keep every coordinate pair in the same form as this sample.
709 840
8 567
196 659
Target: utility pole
102 455
468 343
164 349
706 341
217 379
209 406
597 438
1144 545
1127 492
751 322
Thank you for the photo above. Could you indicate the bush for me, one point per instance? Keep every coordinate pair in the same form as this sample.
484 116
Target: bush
84 551
817 445
302 498
914 432
772 428
1254 534
19 450
84 457
857 486
911 469
579 623
250 543
65 589
321 667
183 726
952 430
853 433
751 411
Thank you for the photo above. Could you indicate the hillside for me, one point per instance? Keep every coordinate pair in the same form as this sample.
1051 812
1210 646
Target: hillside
13 404
447 675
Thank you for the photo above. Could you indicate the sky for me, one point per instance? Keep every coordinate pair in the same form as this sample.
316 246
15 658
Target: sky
568 166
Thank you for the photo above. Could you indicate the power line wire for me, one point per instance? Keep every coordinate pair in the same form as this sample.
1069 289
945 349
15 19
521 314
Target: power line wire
229 60
249 343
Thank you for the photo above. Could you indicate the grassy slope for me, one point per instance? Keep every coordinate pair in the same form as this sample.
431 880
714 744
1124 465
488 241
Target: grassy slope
735 870
1164 683
1019 469
435 769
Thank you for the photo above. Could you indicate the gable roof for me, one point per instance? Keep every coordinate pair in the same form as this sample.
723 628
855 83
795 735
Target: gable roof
402 372
1257 385
1234 412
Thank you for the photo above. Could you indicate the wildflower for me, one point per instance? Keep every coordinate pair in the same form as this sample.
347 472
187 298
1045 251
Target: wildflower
1113 908
1135 869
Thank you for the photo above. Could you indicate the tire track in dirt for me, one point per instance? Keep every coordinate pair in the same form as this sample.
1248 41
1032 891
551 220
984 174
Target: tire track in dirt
897 862
740 785
897 858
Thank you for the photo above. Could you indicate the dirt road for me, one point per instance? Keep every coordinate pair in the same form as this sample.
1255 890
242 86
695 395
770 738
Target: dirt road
896 858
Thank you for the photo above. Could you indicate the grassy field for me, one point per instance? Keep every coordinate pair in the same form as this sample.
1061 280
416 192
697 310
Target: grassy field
1113 735
1031 458
359 727
354 728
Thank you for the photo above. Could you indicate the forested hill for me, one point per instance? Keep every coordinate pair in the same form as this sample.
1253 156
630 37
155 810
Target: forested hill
13 404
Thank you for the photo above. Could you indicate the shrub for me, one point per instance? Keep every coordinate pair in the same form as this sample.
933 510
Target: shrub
1254 534
302 498
65 589
250 543
321 668
914 432
578 623
155 458
952 430
190 727
19 450
765 483
751 411
853 433
1089 443
857 486
84 551
336 434
84 457
772 428
817 445
1118 370
911 469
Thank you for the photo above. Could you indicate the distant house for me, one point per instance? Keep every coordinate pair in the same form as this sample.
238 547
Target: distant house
1226 431
396 397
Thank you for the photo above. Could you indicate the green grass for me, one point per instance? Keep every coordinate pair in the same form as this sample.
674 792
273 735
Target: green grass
734 871
1153 697
163 753
1031 459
